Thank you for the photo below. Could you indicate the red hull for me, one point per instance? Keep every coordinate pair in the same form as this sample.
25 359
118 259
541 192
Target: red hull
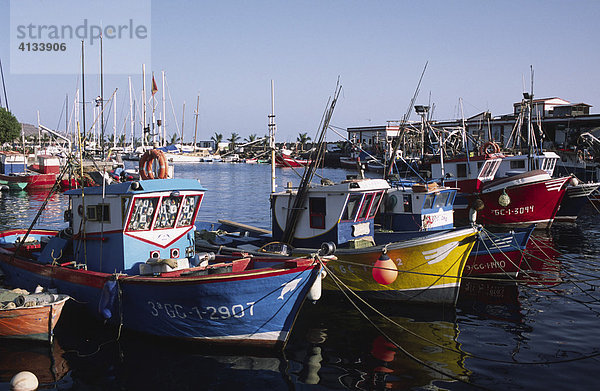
290 162
34 181
533 198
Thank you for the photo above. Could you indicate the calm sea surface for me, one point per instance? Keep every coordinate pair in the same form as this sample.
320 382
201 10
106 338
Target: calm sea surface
538 333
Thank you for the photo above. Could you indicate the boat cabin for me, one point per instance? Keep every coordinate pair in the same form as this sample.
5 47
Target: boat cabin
12 163
468 175
126 225
519 164
47 164
410 206
342 213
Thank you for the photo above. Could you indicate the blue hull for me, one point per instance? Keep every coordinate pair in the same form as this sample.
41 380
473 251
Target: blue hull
253 307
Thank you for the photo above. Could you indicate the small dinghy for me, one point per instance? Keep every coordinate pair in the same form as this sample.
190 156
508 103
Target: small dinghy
29 316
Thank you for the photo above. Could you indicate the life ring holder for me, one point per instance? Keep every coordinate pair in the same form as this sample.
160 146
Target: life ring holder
147 161
489 148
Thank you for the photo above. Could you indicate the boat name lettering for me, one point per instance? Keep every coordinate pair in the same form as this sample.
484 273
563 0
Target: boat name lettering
209 312
488 265
513 211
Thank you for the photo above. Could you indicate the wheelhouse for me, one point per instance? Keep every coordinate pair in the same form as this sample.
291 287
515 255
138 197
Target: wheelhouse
133 221
340 213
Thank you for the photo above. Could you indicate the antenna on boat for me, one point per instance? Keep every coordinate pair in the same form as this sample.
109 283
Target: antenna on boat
272 130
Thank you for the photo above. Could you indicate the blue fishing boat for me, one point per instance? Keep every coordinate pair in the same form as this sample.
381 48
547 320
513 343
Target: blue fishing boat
129 256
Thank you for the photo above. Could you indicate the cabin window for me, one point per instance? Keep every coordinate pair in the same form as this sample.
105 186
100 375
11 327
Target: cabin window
167 213
428 201
188 210
124 206
91 213
103 213
488 170
352 207
364 211
317 209
99 213
407 201
450 200
515 164
376 202
441 200
461 170
143 214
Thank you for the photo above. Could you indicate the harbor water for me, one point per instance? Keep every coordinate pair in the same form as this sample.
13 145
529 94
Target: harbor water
538 332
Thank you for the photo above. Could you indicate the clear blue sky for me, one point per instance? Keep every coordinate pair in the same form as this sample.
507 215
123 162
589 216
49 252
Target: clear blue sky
228 51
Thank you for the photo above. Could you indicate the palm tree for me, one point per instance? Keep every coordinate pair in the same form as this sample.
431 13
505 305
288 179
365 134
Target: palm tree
303 138
217 138
250 138
174 139
233 140
121 141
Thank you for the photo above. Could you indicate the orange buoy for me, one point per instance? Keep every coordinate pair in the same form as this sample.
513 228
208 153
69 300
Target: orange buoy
146 162
384 270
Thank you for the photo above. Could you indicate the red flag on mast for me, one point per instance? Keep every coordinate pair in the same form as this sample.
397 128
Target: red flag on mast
154 86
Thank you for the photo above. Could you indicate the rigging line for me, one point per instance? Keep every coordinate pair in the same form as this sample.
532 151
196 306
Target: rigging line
340 284
173 109
4 87
402 349
405 119
39 212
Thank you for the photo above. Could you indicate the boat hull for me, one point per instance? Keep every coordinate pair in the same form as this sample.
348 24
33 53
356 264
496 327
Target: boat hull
498 254
33 323
519 201
29 181
576 197
429 268
237 305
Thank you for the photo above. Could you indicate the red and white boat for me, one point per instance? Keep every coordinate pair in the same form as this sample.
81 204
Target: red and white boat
531 197
38 177
284 158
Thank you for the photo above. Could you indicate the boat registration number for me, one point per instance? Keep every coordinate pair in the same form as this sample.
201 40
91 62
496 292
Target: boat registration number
209 312
513 211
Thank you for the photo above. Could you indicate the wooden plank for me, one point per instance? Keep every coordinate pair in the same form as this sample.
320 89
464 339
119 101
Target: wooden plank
246 227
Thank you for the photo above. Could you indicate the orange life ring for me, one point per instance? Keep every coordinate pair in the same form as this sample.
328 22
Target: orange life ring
489 148
146 162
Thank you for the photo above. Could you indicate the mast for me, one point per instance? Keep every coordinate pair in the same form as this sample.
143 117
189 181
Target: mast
182 121
115 121
164 112
101 100
196 127
131 120
272 130
83 88
4 87
143 105
153 112
39 131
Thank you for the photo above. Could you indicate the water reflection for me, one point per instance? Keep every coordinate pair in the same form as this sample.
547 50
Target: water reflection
46 362
19 208
490 299
346 351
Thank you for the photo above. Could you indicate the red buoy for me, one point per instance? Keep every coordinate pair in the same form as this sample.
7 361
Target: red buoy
384 270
